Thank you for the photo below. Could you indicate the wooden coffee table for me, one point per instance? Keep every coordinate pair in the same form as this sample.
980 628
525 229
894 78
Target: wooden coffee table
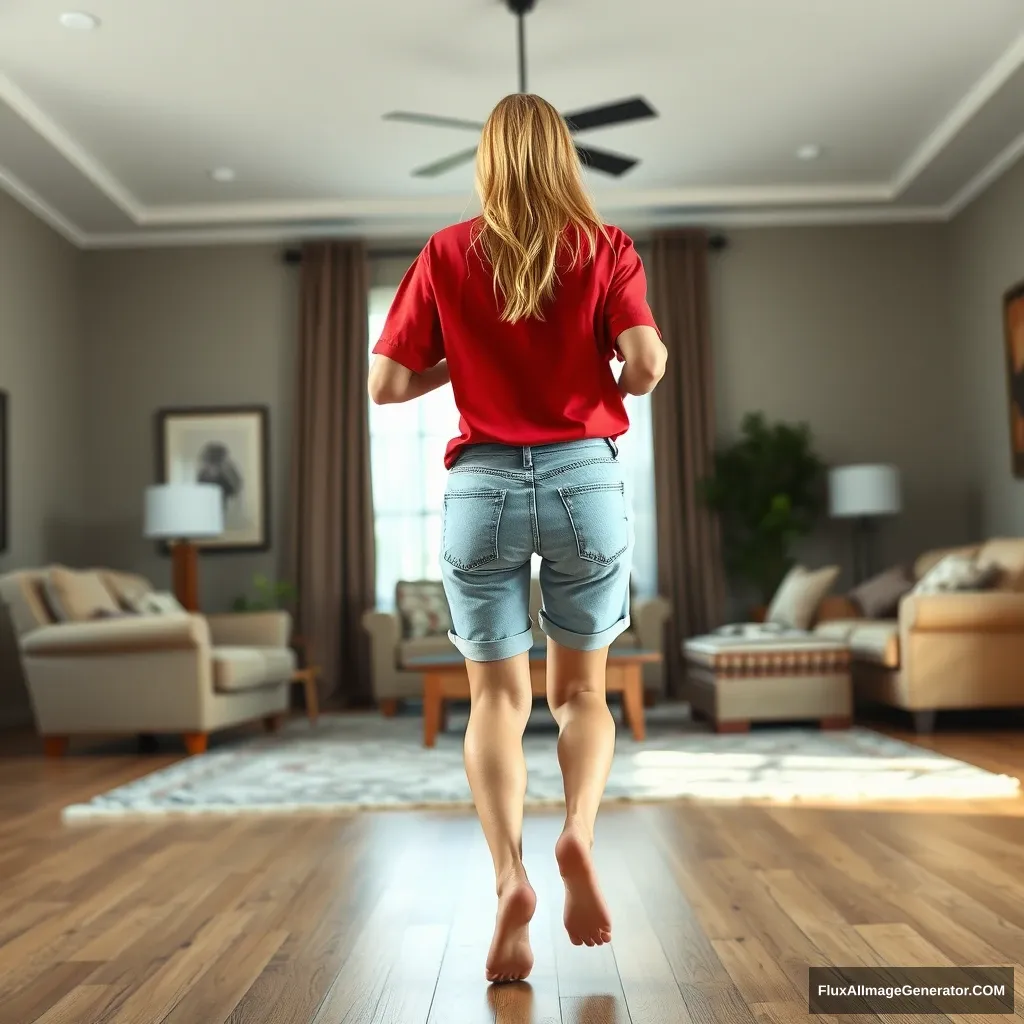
445 678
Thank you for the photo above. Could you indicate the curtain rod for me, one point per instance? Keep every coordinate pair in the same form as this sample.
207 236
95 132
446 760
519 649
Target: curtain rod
293 256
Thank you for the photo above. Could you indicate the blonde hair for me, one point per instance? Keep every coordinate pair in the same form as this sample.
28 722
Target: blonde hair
531 189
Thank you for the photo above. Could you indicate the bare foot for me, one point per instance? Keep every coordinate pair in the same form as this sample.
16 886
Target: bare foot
510 957
587 918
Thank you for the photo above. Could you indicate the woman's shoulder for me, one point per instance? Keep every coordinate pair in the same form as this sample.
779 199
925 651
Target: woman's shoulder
454 238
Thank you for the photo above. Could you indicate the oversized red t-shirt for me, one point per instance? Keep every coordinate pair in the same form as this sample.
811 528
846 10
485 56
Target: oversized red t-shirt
529 383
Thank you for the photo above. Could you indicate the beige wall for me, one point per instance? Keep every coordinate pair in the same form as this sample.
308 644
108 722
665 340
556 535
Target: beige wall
41 369
171 328
846 328
987 258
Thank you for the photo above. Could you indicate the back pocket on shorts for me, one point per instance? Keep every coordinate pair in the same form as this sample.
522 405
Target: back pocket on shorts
598 516
470 532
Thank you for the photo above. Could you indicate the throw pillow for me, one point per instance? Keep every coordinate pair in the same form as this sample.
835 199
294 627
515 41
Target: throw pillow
156 603
958 574
796 602
77 596
879 597
423 609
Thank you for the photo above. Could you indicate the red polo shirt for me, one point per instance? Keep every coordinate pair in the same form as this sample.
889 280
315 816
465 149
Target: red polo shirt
532 382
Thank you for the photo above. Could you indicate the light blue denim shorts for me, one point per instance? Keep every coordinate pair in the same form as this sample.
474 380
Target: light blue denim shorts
568 503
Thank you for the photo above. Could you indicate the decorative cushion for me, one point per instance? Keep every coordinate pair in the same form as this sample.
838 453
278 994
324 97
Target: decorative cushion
77 596
879 597
797 600
1007 556
422 608
957 574
126 587
156 603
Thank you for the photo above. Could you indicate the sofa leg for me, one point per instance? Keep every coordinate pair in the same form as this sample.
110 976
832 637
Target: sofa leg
731 726
389 707
195 742
55 746
924 722
272 723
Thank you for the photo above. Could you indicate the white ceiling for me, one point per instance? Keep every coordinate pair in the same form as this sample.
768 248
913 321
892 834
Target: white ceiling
110 135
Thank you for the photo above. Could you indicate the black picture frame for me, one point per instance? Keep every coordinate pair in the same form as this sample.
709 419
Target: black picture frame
5 472
1013 325
220 422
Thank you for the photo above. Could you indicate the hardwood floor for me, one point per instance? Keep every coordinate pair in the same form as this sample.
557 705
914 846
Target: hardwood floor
385 918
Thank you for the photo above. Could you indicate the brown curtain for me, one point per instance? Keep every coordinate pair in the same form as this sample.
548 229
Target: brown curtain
332 510
690 570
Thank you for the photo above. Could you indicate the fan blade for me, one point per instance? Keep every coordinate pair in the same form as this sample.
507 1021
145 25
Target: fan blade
432 120
447 164
602 160
635 109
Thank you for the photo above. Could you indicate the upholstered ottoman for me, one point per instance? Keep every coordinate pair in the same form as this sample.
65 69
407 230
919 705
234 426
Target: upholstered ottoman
736 680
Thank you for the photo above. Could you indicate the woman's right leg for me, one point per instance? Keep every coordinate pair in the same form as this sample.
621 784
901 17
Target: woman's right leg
586 744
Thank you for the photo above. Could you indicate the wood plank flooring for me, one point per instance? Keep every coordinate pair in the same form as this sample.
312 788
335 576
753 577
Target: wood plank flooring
385 918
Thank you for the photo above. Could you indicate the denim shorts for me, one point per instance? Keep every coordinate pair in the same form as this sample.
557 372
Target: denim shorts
568 503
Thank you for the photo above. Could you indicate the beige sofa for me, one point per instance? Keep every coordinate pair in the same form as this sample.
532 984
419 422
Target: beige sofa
944 651
391 683
153 673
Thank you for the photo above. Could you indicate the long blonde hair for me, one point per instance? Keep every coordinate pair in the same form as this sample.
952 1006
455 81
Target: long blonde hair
531 189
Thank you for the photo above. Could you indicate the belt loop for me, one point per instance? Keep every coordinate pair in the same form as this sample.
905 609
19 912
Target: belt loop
527 456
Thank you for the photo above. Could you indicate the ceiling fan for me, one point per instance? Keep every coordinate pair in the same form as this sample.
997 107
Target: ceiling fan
619 112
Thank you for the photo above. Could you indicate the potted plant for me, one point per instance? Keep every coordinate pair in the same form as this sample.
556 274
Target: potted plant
768 491
267 595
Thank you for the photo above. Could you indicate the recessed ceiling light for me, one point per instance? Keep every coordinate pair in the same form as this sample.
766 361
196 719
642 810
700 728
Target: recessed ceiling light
79 21
812 151
223 174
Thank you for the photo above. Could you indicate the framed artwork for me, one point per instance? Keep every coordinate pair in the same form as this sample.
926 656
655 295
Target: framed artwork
1013 308
5 475
228 447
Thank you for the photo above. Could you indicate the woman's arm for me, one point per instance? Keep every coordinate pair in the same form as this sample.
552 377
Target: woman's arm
645 356
391 382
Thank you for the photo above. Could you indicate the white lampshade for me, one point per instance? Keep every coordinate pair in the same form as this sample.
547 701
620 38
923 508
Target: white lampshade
864 491
184 511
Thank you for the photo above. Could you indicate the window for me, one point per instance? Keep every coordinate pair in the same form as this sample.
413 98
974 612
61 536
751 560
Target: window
407 444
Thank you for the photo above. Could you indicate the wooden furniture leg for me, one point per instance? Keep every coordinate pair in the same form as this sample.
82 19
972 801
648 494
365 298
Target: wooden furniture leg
55 746
433 699
388 707
828 724
312 697
735 726
272 723
195 742
633 701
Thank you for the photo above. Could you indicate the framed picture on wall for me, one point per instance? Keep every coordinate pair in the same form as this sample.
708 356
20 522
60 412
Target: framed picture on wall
5 475
1013 312
228 447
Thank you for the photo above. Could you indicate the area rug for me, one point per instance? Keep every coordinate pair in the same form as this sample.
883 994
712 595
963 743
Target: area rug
365 762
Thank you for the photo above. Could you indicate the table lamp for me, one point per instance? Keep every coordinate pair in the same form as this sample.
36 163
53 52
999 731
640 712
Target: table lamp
864 493
182 514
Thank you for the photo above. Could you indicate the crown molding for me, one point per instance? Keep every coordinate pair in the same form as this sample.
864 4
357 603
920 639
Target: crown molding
976 98
18 190
737 206
985 178
76 155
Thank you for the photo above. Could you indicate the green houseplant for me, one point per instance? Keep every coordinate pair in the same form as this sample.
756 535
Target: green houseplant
768 491
266 595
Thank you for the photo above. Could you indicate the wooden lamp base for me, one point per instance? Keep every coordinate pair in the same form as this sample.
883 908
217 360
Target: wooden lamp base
185 574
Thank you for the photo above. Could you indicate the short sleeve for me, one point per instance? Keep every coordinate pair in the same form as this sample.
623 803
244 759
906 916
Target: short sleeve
412 331
626 303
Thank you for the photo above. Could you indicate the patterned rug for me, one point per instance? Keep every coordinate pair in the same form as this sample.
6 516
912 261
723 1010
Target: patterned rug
364 762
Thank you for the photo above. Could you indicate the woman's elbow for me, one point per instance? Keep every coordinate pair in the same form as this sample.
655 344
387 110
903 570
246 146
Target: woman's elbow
381 385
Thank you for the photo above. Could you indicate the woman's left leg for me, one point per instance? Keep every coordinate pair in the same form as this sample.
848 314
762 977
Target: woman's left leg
496 769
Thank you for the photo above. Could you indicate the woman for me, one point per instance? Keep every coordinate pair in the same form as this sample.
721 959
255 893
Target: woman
524 309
